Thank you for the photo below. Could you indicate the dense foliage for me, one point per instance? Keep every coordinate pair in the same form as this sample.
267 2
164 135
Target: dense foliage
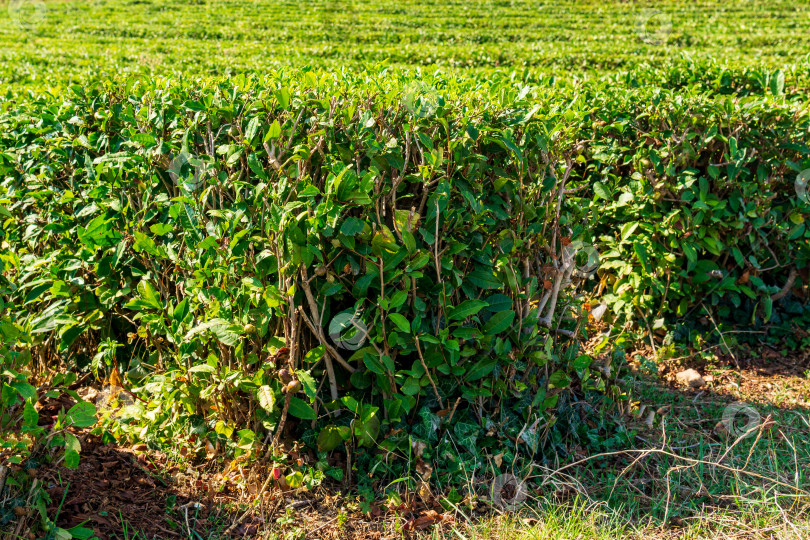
365 253
249 250
251 223
698 204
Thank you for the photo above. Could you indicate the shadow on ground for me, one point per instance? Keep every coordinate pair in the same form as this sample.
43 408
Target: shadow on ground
118 493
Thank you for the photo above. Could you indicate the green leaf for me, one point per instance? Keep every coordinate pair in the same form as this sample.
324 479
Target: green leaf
70 334
72 450
352 226
308 383
99 232
295 480
628 229
559 379
332 436
184 213
582 361
149 294
366 430
466 309
30 415
27 391
159 229
411 387
144 139
283 96
266 398
274 132
602 191
202 368
498 302
641 253
252 128
778 83
511 278
402 323
301 409
767 305
148 298
9 332
484 279
314 355
227 333
82 415
81 533
145 243
480 369
247 438
256 167
372 362
499 322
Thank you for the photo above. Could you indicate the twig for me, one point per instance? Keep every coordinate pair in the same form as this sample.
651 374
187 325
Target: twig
326 344
676 456
722 337
427 371
317 329
282 421
3 475
241 518
324 525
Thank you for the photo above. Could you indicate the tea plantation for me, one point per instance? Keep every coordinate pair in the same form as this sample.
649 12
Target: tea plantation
371 244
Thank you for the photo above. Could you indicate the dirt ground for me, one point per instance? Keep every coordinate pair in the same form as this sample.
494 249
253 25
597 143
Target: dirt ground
116 489
764 376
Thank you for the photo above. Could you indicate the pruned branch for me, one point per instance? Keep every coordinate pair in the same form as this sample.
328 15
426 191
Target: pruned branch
786 288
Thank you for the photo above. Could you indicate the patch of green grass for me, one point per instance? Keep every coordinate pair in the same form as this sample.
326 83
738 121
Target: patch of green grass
689 477
586 521
549 521
684 479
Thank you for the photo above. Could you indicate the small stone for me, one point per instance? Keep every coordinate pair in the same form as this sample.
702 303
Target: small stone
690 378
87 393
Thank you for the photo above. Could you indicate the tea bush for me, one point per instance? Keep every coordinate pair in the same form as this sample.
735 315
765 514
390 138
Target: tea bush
699 205
253 250
382 261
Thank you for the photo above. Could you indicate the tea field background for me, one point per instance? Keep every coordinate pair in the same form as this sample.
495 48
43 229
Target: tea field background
46 43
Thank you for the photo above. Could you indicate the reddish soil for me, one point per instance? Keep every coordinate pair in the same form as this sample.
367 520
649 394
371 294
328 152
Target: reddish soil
116 489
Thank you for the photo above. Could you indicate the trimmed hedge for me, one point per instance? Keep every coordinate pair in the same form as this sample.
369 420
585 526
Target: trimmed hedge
699 206
255 250
190 231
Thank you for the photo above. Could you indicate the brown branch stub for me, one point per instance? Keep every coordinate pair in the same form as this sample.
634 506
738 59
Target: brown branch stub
786 288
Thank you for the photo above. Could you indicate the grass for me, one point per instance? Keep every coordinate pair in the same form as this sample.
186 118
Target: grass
593 522
687 478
